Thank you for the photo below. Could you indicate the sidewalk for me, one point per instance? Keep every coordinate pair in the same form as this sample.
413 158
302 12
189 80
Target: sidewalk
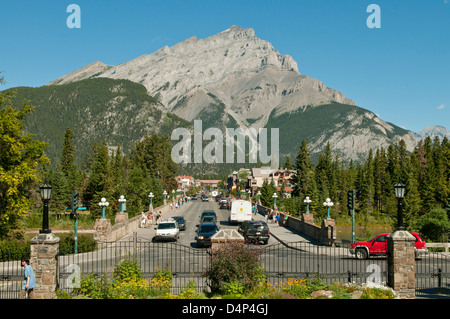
281 233
149 232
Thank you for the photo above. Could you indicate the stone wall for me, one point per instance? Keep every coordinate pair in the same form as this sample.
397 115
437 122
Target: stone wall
106 232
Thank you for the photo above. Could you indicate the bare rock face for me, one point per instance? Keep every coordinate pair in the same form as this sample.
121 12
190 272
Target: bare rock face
235 76
245 73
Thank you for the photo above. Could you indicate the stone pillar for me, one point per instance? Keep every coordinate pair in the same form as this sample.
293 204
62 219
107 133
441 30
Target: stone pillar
328 231
121 218
308 218
43 254
401 264
103 229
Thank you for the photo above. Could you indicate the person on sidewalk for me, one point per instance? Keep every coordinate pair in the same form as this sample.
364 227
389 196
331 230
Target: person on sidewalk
28 282
144 220
286 217
277 219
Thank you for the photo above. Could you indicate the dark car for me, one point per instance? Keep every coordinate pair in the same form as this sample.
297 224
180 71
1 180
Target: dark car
204 234
255 231
208 219
181 222
224 204
209 213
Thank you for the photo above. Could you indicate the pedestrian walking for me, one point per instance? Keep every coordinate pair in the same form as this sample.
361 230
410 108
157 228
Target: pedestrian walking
286 217
150 218
277 219
29 281
144 220
274 217
266 216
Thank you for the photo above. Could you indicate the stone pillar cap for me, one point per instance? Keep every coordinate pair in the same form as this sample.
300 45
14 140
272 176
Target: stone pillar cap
45 238
401 235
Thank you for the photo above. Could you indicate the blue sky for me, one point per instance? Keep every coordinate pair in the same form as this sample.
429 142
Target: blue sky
400 71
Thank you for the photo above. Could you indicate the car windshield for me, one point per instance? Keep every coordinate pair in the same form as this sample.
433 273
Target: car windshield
179 219
259 226
166 226
208 228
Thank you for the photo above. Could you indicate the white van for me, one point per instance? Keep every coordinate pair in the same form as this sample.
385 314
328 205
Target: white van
241 210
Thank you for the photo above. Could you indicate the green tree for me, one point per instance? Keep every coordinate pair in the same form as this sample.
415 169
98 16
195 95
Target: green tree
434 224
20 155
304 178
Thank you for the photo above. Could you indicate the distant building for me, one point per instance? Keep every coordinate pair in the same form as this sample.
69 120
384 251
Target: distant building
279 176
185 183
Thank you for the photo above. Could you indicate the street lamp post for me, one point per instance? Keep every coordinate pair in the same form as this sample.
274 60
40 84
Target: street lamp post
249 194
173 195
259 197
328 203
307 201
46 192
122 202
165 197
275 201
103 204
150 209
400 193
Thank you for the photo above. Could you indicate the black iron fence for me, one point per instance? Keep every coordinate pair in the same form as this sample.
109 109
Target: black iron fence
280 262
433 275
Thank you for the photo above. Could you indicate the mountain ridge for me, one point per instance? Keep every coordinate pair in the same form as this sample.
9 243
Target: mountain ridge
234 79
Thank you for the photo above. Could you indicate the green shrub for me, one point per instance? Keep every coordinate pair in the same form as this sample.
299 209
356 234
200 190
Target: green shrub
12 250
235 264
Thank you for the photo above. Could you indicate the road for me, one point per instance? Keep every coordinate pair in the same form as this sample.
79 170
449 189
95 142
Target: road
191 213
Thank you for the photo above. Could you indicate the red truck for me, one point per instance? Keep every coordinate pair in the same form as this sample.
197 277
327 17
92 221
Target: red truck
378 247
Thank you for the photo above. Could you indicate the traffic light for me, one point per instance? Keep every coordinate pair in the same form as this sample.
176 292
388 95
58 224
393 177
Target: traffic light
350 200
73 213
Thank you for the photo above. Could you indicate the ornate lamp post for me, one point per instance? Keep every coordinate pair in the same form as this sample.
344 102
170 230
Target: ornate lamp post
307 201
103 203
165 197
122 202
399 193
150 209
328 203
275 201
46 192
173 196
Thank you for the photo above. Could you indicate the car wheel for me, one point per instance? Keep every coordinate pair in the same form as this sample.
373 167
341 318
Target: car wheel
361 253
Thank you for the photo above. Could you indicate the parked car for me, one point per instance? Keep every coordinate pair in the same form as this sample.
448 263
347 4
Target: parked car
255 231
167 230
204 234
378 247
181 222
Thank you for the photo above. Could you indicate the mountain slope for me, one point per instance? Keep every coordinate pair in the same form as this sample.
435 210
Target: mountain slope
351 131
119 111
234 79
240 70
